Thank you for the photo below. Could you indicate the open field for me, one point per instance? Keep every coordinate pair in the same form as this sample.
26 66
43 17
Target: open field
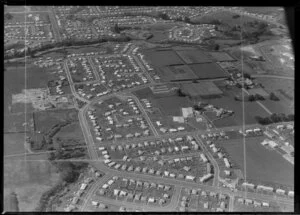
224 17
221 56
179 72
14 9
163 58
194 56
45 120
227 101
18 122
208 70
171 106
29 180
14 143
262 165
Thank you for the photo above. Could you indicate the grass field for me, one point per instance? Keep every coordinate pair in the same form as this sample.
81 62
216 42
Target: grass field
224 17
45 120
172 105
16 122
194 56
178 72
29 180
227 101
221 56
208 70
163 58
14 143
263 165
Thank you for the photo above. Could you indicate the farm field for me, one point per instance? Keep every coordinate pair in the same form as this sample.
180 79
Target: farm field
208 70
14 143
163 58
262 165
29 180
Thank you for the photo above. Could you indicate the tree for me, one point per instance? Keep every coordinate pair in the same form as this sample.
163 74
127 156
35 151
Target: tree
181 93
8 16
259 97
116 29
251 98
246 75
217 47
273 97
236 16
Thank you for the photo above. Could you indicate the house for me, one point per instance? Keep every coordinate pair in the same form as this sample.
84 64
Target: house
248 185
151 200
95 203
190 177
187 112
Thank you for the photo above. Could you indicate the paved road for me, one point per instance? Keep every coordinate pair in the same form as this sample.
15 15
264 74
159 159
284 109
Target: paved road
92 190
54 25
273 76
154 131
94 69
177 183
213 161
72 84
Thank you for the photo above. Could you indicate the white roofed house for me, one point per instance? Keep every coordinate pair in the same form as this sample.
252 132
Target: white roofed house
187 112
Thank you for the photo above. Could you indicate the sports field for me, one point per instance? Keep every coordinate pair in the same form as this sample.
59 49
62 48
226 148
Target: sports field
203 88
171 106
163 58
262 165
221 56
194 56
179 72
208 70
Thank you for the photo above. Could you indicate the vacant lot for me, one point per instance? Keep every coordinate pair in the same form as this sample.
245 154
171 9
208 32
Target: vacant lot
194 56
45 120
208 70
29 180
163 58
14 143
172 105
262 165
